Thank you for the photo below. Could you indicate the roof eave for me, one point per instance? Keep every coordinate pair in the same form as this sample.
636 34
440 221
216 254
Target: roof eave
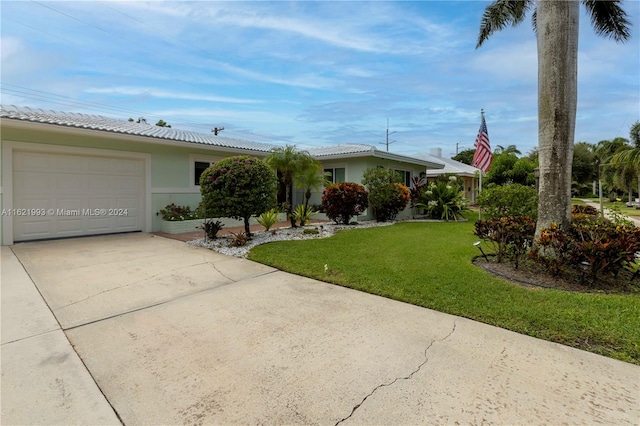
403 159
155 140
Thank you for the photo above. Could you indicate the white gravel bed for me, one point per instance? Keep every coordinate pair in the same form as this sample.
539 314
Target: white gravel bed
223 244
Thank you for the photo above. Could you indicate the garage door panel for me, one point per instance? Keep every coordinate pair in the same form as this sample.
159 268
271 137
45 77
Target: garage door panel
83 192
67 182
36 227
101 184
101 224
69 225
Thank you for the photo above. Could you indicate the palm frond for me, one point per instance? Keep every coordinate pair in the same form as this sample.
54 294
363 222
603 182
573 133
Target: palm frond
609 19
501 13
630 157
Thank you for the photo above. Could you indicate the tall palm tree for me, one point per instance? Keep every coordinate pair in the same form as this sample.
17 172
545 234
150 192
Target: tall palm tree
556 25
289 161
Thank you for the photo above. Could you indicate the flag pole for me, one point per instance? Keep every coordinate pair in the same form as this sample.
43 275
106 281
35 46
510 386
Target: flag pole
480 183
479 191
482 157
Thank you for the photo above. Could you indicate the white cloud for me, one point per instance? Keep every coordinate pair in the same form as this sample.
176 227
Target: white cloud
157 93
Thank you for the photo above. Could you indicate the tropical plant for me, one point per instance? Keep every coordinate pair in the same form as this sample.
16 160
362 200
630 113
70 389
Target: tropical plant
303 214
627 159
556 24
443 200
240 239
212 228
387 196
238 187
417 186
268 218
344 200
290 162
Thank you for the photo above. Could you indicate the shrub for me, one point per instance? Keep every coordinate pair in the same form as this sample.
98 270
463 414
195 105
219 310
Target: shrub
173 213
387 196
211 228
268 218
509 200
510 236
443 200
601 245
238 187
584 209
342 201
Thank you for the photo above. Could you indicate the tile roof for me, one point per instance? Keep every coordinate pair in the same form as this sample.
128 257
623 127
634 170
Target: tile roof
113 125
361 150
331 150
106 124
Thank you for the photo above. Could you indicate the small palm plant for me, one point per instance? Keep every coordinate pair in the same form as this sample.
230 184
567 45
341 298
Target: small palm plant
268 218
303 214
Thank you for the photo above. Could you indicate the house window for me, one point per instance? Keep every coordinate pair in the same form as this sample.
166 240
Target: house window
199 168
336 174
406 177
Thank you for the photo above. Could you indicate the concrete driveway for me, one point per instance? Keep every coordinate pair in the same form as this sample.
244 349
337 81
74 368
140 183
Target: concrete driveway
166 333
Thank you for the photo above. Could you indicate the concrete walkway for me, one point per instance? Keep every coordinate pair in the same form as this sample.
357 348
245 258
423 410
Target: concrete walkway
163 333
634 219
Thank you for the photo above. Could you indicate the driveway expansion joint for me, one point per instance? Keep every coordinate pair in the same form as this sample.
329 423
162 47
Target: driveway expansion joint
409 377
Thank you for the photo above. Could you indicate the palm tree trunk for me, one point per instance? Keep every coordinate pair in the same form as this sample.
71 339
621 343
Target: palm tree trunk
557 35
289 201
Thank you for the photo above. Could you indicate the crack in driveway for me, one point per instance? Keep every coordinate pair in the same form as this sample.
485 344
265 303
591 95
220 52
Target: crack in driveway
426 359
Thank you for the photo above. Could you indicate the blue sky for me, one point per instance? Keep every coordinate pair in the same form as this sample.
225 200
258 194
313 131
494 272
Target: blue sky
308 73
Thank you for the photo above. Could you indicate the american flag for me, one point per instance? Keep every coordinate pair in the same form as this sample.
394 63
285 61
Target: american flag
482 158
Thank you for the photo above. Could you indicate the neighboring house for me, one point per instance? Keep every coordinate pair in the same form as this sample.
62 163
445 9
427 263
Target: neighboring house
61 172
469 174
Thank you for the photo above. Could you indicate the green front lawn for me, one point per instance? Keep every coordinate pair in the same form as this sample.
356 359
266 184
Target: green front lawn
429 264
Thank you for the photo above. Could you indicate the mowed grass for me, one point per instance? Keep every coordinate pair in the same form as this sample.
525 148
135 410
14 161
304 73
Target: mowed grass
430 265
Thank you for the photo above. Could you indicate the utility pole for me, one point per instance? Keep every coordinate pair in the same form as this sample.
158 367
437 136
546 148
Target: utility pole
388 142
217 130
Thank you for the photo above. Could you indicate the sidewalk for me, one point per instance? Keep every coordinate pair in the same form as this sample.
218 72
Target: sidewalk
634 219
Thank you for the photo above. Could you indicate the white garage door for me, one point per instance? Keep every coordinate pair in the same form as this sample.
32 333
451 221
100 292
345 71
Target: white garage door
64 195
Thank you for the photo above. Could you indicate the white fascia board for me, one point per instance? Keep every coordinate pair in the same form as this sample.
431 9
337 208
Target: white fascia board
384 155
410 160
